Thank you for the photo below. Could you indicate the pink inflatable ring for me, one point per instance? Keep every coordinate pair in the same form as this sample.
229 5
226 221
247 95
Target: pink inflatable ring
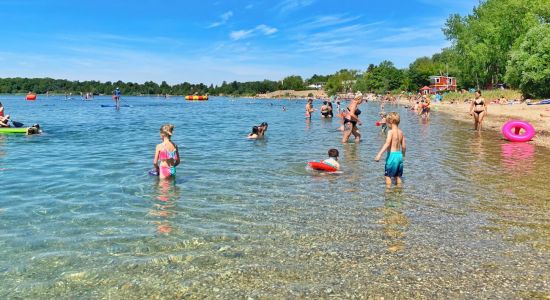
511 131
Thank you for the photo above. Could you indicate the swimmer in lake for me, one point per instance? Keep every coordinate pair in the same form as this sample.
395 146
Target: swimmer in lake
332 159
258 131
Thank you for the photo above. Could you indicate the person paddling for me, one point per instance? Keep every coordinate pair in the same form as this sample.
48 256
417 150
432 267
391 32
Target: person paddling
117 98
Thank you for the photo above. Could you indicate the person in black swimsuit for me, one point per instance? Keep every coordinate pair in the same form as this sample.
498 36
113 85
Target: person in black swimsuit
478 109
351 120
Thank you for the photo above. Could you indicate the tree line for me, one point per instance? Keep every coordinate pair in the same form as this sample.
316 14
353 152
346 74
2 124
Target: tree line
499 42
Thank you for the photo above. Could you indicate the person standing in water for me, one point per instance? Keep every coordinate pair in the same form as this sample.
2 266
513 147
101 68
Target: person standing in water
395 146
166 154
309 108
117 98
351 119
478 109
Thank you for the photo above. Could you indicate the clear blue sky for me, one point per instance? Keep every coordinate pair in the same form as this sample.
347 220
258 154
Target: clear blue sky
211 41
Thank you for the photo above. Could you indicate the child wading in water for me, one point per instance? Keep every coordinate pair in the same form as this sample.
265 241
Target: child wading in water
396 147
332 159
166 153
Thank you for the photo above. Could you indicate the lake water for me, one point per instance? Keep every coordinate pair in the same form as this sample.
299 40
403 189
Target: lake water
80 217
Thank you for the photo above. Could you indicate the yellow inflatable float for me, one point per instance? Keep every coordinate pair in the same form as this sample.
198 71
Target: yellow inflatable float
196 98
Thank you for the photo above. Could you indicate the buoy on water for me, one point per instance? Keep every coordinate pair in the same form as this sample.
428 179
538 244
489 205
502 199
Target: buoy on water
196 98
31 97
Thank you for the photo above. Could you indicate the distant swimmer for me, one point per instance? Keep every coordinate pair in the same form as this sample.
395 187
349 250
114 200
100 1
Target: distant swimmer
167 156
395 146
309 108
258 131
351 119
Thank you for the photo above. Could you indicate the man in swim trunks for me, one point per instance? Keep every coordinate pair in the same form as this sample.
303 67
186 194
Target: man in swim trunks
396 147
351 119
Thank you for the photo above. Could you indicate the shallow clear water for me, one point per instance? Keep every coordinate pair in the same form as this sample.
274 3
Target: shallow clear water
80 217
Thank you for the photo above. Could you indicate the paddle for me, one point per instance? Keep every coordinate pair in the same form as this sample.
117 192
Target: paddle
17 124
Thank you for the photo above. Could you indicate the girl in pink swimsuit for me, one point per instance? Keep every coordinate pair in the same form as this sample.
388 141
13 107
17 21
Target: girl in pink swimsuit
166 154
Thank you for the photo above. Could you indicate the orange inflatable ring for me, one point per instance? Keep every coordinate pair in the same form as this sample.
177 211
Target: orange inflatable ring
320 166
31 97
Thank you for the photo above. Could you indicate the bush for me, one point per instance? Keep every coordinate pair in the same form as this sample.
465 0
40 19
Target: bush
529 66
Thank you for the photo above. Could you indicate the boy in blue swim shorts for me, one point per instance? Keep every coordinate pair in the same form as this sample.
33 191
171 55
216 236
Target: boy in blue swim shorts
395 146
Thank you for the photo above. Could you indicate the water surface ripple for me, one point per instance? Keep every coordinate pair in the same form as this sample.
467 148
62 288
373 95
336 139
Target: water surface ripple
80 217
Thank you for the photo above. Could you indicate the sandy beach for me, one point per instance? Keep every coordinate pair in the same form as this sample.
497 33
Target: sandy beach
499 114
294 94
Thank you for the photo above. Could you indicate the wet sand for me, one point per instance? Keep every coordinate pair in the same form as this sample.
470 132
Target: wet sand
498 115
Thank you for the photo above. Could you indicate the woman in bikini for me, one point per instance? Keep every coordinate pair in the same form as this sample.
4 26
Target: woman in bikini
166 154
478 109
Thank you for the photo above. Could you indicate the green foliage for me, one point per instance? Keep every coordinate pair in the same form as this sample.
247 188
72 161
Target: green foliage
59 86
293 83
529 66
317 79
420 71
382 78
483 40
341 82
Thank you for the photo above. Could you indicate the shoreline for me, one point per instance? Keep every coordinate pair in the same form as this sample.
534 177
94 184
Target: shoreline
498 114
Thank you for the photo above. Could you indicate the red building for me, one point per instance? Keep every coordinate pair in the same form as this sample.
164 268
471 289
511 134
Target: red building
442 83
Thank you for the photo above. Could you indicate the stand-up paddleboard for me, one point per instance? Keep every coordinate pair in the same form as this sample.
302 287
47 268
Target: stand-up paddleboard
543 102
12 130
113 105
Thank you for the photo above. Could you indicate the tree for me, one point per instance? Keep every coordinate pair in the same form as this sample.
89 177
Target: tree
293 83
382 78
529 65
484 39
341 82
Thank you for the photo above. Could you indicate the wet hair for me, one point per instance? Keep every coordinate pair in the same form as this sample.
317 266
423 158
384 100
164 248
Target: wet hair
263 124
333 153
393 118
325 102
166 130
255 130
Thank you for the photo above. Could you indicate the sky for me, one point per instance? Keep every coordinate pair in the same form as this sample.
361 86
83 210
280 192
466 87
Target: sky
214 41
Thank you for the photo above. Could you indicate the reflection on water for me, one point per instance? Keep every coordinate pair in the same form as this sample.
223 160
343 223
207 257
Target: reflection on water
395 221
80 217
518 158
164 204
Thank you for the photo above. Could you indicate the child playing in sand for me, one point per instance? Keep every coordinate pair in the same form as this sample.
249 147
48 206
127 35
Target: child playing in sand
395 146
166 154
332 159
